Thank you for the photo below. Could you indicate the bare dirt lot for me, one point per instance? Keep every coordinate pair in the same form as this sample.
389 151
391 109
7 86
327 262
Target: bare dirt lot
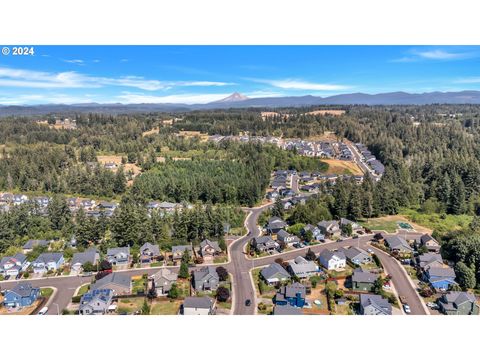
342 167
117 159
153 131
326 112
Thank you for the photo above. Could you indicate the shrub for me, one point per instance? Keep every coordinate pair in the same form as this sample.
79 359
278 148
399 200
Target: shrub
223 294
76 299
262 306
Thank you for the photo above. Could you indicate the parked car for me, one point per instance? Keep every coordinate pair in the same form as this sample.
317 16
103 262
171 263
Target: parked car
43 311
406 308
370 251
248 302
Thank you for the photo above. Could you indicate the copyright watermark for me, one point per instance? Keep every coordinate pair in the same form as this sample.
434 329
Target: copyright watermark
18 50
5 51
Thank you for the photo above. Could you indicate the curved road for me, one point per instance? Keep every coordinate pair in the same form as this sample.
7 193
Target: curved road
240 267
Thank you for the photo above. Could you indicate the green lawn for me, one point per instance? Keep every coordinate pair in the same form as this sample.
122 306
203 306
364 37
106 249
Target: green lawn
380 224
165 307
220 259
46 292
138 285
130 305
411 272
268 291
224 305
83 289
441 223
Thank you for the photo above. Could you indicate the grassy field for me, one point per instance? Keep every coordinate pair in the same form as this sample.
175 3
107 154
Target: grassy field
130 305
46 292
390 223
342 167
441 223
83 289
165 307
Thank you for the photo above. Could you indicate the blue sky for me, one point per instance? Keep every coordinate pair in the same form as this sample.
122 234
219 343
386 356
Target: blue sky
201 74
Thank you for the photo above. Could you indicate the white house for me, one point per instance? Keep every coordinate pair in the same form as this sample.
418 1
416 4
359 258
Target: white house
194 305
332 260
47 261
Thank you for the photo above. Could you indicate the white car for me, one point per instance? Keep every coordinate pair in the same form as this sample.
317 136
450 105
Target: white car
406 308
370 251
43 311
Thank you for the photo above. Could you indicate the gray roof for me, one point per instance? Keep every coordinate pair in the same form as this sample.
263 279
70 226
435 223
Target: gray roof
273 269
286 310
459 297
203 302
447 272
84 257
326 255
15 258
164 274
48 257
154 249
293 289
353 252
30 244
23 289
181 248
113 278
301 265
213 244
377 301
117 250
364 276
202 273
276 223
263 239
397 243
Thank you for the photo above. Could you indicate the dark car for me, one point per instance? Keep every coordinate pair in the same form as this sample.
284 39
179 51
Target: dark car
248 302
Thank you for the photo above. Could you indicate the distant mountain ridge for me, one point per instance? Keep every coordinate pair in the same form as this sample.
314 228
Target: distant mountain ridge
237 100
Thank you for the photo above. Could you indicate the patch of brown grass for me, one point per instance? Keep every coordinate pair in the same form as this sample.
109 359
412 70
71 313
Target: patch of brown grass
341 167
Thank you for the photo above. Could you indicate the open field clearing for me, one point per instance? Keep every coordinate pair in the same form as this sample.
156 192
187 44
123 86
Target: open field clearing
117 159
154 131
326 112
341 167
390 224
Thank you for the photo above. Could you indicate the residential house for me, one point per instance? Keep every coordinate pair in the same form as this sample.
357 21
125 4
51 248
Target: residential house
19 199
179 250
87 204
363 280
440 278
398 244
302 268
430 260
32 244
264 243
118 256
23 294
119 283
13 265
81 258
149 253
205 279
274 274
429 242
330 228
163 281
47 261
209 249
286 310
286 239
293 295
194 305
332 260
42 201
458 303
357 256
96 302
345 222
371 304
275 224
316 232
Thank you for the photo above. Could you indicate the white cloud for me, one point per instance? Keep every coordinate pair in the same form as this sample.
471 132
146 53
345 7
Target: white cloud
45 99
441 55
10 77
294 84
469 80
75 61
434 54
